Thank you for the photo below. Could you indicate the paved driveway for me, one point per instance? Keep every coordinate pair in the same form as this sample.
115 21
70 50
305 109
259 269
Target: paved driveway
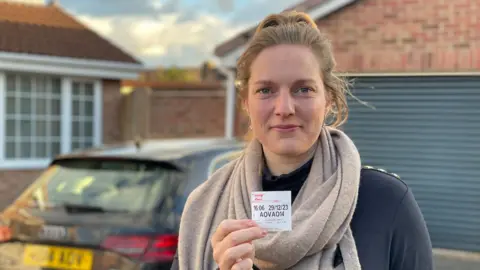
445 260
450 264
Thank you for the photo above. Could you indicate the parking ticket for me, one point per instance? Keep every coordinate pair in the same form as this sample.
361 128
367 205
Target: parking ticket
272 210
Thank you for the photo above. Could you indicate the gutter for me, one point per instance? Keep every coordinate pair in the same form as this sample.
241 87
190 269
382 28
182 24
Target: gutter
68 66
328 7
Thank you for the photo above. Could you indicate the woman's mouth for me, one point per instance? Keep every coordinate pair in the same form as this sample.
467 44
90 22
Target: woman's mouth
285 128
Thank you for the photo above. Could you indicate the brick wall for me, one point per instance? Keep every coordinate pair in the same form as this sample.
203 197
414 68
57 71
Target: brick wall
13 182
185 113
406 36
173 110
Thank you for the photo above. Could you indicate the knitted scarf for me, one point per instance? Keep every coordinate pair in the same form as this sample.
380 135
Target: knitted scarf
321 212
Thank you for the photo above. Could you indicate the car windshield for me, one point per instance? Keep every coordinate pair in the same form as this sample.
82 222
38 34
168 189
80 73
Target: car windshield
110 185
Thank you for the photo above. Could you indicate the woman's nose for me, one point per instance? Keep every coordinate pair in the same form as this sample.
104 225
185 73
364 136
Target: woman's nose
284 103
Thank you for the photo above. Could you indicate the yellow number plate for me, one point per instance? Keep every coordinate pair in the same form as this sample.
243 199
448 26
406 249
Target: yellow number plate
58 257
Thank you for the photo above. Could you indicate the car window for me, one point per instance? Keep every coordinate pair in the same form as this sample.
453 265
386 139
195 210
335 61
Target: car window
113 185
200 167
222 159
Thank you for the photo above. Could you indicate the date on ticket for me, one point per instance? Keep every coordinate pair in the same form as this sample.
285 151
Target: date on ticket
272 210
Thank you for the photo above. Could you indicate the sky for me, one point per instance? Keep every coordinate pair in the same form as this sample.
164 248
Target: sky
170 32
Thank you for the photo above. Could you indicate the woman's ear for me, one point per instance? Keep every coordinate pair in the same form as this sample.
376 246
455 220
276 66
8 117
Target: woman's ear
245 106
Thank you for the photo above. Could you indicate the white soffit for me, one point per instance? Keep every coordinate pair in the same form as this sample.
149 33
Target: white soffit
69 66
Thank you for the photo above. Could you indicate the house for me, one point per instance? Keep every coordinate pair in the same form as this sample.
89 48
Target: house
416 64
59 89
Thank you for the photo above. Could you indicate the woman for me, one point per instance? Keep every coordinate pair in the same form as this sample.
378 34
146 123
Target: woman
343 216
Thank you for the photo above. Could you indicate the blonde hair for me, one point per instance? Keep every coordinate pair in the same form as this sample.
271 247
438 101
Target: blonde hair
296 28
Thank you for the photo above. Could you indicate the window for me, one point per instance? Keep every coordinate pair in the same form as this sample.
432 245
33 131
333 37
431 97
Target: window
45 115
222 160
33 115
82 115
112 185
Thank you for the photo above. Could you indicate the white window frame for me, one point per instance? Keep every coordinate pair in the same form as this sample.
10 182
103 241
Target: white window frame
66 121
97 110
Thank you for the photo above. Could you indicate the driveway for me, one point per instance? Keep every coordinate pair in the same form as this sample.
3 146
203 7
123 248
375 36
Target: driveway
454 260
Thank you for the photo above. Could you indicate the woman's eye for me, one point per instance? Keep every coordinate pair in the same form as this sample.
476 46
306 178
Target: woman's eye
264 91
304 89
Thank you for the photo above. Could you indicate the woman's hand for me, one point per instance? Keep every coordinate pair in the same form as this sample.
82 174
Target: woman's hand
232 244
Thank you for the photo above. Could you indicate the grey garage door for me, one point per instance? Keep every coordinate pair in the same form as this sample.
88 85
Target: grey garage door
427 130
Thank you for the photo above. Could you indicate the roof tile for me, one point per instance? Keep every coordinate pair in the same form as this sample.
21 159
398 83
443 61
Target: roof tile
49 30
50 15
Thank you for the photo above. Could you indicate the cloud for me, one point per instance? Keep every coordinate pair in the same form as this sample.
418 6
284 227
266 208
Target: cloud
256 10
226 5
171 32
121 7
103 26
166 40
169 6
146 7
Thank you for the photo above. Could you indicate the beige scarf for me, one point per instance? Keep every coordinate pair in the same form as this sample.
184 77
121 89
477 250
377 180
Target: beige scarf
321 212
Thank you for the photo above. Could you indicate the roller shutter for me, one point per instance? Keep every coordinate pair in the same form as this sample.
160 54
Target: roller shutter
427 130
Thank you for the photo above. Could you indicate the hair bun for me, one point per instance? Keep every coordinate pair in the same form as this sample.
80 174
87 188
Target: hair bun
286 18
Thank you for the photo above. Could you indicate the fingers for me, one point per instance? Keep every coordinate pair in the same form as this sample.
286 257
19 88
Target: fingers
236 255
232 243
240 237
228 226
246 264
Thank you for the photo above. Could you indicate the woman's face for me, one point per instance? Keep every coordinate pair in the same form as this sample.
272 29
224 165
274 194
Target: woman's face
286 99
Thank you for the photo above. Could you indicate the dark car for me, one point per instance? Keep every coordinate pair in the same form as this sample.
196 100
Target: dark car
110 209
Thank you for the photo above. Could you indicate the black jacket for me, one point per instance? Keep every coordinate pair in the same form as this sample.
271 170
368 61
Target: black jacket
389 230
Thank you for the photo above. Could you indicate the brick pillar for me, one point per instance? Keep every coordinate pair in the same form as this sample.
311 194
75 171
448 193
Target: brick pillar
136 114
